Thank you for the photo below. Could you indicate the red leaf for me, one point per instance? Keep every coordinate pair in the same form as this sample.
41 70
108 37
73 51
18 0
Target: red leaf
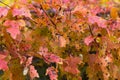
13 28
33 72
88 40
52 72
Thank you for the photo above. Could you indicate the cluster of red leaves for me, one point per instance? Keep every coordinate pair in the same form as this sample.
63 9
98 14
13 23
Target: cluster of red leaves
47 29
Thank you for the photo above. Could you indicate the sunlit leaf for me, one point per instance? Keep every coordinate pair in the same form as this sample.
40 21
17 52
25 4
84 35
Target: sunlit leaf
114 12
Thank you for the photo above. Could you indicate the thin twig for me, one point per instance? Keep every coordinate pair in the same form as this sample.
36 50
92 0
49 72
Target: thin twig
90 30
4 4
93 36
48 16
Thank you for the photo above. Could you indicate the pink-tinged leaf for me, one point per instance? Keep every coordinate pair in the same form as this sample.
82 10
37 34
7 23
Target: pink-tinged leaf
21 12
52 72
33 72
104 62
88 40
3 11
106 59
100 21
13 28
52 58
49 57
96 10
70 64
3 65
29 61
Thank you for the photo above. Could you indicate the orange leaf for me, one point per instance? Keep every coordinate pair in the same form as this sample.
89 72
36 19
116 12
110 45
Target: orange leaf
114 13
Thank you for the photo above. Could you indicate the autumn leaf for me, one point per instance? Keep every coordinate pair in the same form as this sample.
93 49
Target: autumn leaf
3 64
62 41
100 21
52 58
88 40
21 12
33 72
49 57
55 33
3 11
79 11
52 72
13 28
70 65
114 13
